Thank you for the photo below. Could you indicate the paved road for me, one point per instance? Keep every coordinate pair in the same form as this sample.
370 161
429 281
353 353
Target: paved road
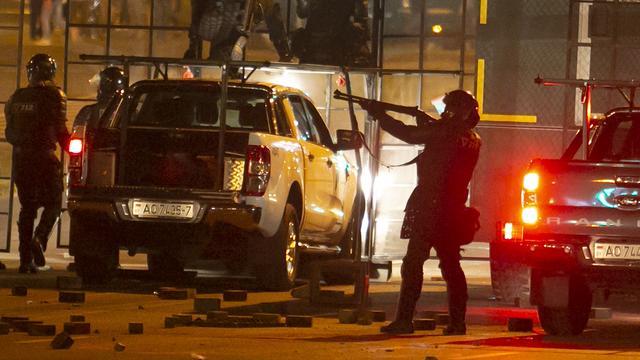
131 298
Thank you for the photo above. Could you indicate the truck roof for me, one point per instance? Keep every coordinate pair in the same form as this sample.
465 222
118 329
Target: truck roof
271 87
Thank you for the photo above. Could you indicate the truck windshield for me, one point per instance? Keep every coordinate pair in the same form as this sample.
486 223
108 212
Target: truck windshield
198 107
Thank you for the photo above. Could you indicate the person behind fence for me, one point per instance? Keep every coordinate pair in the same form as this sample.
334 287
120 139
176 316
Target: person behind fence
435 207
36 117
112 81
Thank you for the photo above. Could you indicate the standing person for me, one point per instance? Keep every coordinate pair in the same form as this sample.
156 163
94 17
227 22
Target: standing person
45 22
112 82
35 9
36 117
435 206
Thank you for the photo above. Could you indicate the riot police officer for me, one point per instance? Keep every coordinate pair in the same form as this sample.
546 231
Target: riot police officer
436 204
36 117
112 82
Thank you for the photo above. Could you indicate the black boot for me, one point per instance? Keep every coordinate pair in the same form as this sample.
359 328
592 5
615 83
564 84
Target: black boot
37 250
455 329
28 268
398 327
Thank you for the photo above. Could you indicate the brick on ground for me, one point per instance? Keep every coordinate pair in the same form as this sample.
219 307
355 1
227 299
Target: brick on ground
71 297
4 328
205 305
61 341
136 328
424 324
172 293
299 321
234 295
19 291
520 324
42 330
347 316
600 313
69 283
77 328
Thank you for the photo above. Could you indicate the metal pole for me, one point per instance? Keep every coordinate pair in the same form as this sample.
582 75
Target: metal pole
223 123
585 121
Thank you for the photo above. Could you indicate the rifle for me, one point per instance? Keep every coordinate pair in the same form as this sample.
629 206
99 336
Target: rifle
409 110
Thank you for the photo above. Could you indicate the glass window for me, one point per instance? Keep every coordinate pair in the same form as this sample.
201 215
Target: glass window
131 12
318 124
306 131
88 12
281 120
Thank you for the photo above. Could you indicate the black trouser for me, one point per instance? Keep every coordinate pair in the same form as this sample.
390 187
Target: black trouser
412 275
38 178
35 8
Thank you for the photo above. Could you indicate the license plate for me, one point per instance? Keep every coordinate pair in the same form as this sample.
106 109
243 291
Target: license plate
152 209
617 251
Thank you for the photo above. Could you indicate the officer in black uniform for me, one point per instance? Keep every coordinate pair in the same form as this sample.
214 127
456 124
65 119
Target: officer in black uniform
112 81
435 206
36 117
336 32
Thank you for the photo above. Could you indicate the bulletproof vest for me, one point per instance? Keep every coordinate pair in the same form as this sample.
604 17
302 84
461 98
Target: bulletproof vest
32 118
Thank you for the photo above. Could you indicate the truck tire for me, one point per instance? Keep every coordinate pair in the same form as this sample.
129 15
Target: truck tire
510 282
278 270
165 265
95 255
573 319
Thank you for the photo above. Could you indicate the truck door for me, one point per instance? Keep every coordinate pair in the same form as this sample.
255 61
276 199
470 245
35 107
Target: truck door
319 177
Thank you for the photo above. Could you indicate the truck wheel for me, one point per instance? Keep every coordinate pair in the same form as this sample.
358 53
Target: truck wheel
164 265
95 255
279 268
510 282
573 319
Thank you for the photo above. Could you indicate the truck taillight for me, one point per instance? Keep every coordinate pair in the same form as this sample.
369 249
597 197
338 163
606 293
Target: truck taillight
76 156
511 231
257 169
529 199
75 146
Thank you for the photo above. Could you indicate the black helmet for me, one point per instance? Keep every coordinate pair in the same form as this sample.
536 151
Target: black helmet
41 67
461 106
112 80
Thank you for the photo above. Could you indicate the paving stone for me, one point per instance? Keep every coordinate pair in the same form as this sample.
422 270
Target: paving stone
169 322
217 315
4 328
77 328
61 341
19 291
71 297
119 347
182 319
23 325
347 316
136 328
267 318
234 295
172 293
600 313
364 318
205 305
299 321
442 319
69 283
378 315
42 330
520 324
424 324
301 292
77 318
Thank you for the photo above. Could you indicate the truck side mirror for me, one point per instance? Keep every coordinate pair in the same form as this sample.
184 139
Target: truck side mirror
349 140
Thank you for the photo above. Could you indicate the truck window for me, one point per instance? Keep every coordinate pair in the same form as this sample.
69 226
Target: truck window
198 107
618 140
303 123
318 124
281 119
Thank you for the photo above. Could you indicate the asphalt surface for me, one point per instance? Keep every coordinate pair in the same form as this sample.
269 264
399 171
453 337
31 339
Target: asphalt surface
133 297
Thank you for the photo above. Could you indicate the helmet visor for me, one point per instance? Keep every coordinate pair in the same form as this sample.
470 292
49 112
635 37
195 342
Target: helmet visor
439 104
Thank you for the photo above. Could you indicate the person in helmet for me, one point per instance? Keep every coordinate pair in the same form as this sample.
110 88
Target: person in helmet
35 124
112 83
451 150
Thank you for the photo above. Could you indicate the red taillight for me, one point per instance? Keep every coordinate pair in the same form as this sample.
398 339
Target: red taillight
529 200
74 170
75 146
257 169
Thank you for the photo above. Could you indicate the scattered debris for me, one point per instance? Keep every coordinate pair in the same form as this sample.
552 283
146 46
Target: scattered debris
69 283
424 324
195 356
73 297
4 328
42 330
172 293
76 318
23 325
140 307
205 305
347 316
136 328
61 341
520 324
299 321
234 295
19 291
77 328
119 347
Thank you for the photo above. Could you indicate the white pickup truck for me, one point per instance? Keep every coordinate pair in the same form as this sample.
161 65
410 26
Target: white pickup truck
168 174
